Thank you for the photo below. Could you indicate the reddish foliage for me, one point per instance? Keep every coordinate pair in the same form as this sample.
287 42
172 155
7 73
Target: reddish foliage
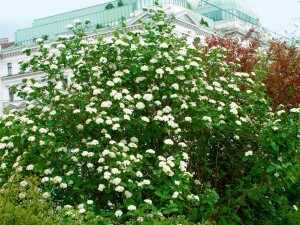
238 53
283 77
281 67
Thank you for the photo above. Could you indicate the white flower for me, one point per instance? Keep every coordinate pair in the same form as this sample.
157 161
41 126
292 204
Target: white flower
57 179
280 112
175 86
144 68
69 26
139 79
249 153
82 210
150 151
188 119
85 153
94 142
61 46
153 61
238 122
90 202
207 118
175 194
148 201
140 105
31 138
46 195
118 213
99 120
53 67
137 96
117 80
107 175
115 171
134 139
182 144
148 97
101 187
116 181
194 64
127 111
139 174
160 71
79 127
103 60
47 171
131 208
80 206
295 110
22 195
163 45
90 165
8 124
168 142
146 182
128 194
3 166
63 185
234 111
132 145
180 58
77 21
126 117
30 167
43 130
23 183
145 119
110 83
119 189
295 207
106 104
115 126
77 87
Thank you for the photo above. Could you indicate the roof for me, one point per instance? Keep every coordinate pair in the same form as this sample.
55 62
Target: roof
216 9
55 25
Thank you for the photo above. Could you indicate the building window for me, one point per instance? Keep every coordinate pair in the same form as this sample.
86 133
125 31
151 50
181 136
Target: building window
10 96
9 69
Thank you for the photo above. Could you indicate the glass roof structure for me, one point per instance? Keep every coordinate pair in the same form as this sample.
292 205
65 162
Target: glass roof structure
113 13
227 9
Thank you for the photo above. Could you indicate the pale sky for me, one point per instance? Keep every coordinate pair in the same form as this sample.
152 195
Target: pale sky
276 15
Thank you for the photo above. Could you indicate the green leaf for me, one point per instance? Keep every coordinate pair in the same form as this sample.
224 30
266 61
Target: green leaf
274 146
270 169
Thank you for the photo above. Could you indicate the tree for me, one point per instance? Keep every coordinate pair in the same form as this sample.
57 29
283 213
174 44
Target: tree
203 22
277 63
120 3
109 6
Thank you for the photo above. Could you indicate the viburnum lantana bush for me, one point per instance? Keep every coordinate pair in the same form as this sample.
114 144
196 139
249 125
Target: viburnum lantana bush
148 125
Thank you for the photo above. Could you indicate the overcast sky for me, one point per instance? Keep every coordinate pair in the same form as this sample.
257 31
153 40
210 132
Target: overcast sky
276 15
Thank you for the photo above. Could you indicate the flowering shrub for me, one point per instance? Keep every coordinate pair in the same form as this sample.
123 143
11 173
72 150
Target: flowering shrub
146 126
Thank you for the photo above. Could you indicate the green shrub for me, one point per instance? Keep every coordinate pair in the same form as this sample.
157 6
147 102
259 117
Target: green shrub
149 125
